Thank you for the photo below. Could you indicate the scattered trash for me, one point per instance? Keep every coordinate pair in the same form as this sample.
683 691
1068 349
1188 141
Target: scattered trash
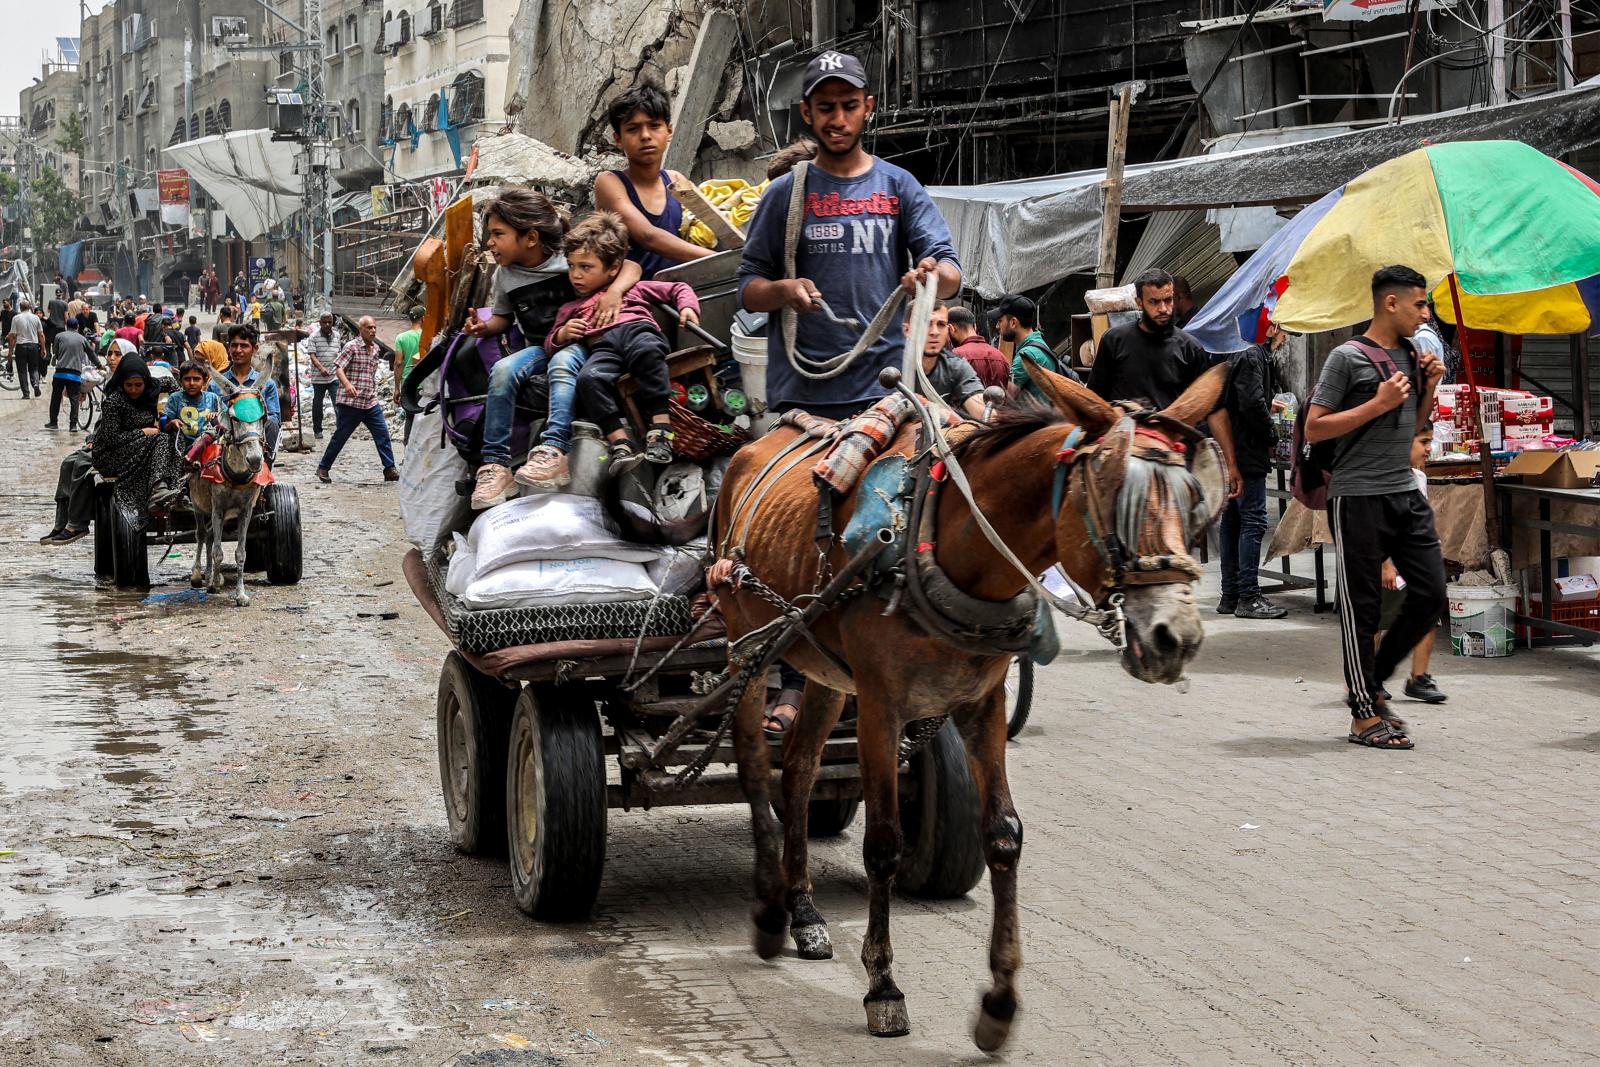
1249 826
183 596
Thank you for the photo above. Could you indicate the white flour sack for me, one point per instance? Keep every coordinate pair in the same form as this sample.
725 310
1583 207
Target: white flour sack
540 582
549 526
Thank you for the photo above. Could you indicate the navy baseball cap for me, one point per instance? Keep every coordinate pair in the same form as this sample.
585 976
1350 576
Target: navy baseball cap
830 64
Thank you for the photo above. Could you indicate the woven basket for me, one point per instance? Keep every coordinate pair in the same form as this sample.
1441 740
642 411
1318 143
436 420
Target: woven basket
696 439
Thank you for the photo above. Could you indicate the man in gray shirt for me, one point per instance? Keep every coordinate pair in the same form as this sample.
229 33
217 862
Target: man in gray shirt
953 378
26 341
1374 395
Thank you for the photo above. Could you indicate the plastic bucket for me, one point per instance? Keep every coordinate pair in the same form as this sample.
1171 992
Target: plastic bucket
1481 622
751 355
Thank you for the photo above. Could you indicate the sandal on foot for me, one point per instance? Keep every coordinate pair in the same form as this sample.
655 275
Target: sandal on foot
1381 735
777 726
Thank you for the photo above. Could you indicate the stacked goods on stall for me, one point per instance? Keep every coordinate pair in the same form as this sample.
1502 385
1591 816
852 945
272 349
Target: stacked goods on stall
1513 420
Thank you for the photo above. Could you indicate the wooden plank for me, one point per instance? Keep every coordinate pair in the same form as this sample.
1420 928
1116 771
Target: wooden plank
689 195
697 94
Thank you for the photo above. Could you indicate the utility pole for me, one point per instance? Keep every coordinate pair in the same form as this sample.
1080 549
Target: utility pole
317 182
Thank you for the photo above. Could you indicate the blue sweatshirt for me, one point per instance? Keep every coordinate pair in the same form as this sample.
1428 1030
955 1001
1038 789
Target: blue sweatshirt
859 236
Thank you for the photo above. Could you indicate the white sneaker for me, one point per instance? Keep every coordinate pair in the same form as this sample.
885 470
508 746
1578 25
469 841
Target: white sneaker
494 482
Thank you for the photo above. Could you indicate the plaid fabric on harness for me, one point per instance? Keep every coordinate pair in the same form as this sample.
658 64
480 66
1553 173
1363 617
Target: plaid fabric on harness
862 439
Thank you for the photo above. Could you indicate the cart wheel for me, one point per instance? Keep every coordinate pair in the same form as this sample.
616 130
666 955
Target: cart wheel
129 557
105 560
1019 695
943 854
556 804
472 722
282 543
830 818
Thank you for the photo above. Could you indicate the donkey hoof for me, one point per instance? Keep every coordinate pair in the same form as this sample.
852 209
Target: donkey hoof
812 942
996 1012
887 1016
766 937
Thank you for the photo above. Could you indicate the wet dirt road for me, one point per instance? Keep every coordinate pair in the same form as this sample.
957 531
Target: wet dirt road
225 845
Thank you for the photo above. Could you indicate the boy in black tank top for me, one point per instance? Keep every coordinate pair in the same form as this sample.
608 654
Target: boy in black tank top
641 122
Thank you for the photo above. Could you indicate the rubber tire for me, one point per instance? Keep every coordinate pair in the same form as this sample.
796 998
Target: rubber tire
283 541
555 803
130 557
942 856
1020 701
830 818
472 720
105 562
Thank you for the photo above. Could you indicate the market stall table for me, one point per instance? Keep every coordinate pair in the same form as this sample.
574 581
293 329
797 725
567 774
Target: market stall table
1578 521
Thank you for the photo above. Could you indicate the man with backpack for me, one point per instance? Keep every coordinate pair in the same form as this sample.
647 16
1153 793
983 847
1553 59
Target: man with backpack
1247 398
1373 397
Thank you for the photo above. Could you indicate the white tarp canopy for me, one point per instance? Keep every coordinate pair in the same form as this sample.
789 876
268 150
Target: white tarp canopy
248 173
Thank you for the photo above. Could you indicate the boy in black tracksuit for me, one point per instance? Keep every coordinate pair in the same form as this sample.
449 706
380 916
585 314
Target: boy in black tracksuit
1374 507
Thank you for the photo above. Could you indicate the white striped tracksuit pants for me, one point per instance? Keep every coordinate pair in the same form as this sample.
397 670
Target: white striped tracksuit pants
1366 531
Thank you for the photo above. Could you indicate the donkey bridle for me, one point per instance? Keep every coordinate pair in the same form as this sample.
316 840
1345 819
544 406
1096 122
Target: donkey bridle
1127 567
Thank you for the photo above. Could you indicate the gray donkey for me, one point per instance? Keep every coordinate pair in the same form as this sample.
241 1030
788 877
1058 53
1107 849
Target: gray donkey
238 465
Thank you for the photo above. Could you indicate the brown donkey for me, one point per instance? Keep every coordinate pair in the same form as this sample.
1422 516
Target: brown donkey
900 674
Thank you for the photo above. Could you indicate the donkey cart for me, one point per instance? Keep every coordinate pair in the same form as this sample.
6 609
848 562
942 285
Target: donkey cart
538 740
122 551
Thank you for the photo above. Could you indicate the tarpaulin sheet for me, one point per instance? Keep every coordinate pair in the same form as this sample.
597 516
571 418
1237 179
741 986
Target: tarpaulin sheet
247 172
1020 235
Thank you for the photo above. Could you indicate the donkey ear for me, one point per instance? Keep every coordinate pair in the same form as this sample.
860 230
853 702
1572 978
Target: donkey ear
1201 398
1093 414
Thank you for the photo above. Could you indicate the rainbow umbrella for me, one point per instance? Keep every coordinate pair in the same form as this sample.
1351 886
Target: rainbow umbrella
1518 232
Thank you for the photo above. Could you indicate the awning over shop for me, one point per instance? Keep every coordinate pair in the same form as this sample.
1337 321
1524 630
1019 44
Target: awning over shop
248 173
1019 235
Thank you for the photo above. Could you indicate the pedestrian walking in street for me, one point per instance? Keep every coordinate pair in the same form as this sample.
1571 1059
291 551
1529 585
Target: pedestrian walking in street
407 344
1247 398
26 342
1419 683
73 354
356 401
1371 401
988 361
1016 321
322 348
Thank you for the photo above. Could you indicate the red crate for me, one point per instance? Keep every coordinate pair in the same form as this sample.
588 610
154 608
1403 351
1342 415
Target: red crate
1584 614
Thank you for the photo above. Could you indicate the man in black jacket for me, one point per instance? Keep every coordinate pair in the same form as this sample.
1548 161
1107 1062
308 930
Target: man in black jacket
1247 397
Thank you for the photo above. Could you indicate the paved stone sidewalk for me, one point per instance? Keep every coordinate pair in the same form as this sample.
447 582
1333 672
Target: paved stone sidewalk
1210 877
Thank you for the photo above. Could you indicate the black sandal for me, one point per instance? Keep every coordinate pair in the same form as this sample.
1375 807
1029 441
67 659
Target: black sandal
786 697
1380 735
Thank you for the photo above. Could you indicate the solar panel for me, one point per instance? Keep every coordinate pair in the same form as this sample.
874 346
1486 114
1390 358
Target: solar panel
69 49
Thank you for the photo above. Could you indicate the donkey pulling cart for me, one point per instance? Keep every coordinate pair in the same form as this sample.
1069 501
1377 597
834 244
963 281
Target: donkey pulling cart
537 741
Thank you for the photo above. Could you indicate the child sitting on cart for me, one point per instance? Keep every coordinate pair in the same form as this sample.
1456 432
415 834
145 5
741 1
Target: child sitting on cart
632 344
191 410
522 230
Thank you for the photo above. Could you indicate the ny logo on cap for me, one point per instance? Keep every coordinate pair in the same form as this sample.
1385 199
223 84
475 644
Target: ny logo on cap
832 61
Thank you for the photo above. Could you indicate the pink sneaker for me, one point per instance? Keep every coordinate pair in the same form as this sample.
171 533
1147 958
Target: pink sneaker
494 482
547 468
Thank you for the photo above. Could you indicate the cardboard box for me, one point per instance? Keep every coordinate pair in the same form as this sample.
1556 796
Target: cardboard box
1556 470
1577 587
